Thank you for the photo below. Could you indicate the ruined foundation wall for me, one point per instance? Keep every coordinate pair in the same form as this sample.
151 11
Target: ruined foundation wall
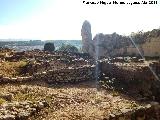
148 112
60 75
149 49
137 79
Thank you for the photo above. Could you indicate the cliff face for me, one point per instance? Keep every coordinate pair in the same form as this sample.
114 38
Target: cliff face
104 45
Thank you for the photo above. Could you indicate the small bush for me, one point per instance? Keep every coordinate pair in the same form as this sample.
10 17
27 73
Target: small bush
2 101
49 47
12 69
68 48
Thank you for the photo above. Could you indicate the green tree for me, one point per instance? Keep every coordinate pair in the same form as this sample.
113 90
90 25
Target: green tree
67 48
49 47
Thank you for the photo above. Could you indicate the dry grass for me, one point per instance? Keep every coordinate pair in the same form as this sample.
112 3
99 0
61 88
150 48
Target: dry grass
11 69
2 101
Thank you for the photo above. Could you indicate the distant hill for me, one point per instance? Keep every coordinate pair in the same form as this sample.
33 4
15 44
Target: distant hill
36 44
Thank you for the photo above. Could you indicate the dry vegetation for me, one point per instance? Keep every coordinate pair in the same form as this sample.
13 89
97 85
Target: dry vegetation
11 69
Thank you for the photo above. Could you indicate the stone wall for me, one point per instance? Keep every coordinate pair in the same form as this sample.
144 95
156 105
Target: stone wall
149 112
60 75
150 48
135 78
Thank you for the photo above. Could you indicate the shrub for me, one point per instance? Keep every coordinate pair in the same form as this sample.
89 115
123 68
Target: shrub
2 101
12 69
49 47
67 48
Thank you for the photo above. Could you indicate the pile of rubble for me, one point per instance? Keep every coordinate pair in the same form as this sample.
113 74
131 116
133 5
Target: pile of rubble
147 112
20 110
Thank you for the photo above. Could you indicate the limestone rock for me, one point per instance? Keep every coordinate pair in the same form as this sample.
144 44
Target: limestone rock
87 45
7 117
20 110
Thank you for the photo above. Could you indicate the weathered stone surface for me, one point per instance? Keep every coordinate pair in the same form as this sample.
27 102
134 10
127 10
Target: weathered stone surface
60 75
87 44
141 113
7 117
20 110
135 78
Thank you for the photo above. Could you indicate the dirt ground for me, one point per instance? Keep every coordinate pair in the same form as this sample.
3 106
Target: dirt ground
81 101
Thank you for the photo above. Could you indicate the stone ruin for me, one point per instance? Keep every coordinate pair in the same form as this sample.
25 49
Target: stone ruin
87 46
127 75
49 67
132 77
104 45
135 74
52 67
131 74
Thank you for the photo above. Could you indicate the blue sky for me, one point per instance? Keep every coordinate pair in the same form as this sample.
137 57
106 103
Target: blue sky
60 19
16 10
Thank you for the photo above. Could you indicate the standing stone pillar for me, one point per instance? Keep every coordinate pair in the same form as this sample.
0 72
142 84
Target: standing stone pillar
86 37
